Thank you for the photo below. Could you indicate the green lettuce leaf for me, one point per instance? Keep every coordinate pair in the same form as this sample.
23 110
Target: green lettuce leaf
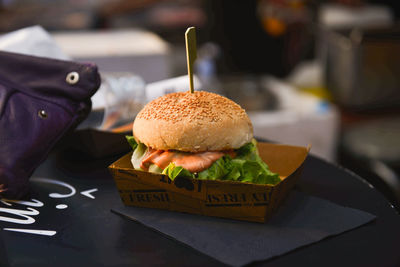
131 141
256 172
138 155
173 171
248 151
218 170
235 172
246 167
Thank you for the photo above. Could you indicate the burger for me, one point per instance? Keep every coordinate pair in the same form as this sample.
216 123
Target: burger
198 135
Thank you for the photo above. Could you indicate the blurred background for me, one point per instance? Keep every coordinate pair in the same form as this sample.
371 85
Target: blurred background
325 73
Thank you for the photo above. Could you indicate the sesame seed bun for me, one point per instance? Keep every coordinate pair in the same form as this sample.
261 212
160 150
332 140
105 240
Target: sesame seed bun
193 122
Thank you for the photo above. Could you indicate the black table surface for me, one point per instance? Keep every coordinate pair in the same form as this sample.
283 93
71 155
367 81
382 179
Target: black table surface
89 234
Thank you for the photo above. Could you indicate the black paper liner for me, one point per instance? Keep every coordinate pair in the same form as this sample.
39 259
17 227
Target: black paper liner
302 220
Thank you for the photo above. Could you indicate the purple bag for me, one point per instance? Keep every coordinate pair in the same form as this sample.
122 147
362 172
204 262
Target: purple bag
40 101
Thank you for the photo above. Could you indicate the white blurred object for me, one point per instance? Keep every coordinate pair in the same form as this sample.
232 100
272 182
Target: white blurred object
117 86
339 16
150 91
123 96
307 74
111 43
300 119
141 52
34 41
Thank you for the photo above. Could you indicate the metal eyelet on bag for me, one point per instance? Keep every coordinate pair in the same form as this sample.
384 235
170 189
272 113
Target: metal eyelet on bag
42 114
72 77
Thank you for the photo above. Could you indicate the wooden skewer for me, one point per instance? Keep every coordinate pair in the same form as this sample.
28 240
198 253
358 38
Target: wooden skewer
191 53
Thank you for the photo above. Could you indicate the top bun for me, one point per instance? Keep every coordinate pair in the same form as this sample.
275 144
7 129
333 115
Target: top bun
193 122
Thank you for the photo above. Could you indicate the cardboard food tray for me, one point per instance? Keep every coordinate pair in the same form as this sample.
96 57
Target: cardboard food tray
228 199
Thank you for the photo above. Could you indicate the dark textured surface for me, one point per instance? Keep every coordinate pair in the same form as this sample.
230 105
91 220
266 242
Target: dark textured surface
88 234
3 252
301 221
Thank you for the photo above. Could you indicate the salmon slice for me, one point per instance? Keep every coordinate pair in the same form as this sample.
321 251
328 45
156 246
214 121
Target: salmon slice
197 162
163 160
193 162
151 154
